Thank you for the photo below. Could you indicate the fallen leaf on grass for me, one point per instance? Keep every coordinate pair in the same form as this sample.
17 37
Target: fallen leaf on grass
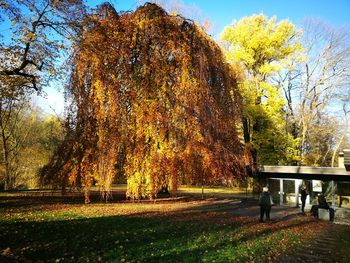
6 251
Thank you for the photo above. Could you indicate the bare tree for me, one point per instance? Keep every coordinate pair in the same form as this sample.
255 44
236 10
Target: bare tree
316 86
35 40
344 126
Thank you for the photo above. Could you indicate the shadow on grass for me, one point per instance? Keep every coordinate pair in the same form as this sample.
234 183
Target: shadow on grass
22 199
19 199
113 238
102 239
147 237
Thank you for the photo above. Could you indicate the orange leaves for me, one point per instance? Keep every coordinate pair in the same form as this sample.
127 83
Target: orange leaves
151 94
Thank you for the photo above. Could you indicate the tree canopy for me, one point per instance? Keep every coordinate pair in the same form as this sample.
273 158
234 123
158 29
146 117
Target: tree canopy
30 53
263 48
151 95
320 111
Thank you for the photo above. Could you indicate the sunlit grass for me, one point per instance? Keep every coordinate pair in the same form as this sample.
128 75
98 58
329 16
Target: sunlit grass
208 191
344 243
166 231
216 191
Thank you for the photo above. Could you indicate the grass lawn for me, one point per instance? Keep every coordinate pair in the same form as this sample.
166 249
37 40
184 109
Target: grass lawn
171 230
344 243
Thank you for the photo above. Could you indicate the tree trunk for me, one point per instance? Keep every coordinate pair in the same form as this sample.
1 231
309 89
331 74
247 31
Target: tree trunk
303 140
87 195
336 150
8 184
246 130
202 190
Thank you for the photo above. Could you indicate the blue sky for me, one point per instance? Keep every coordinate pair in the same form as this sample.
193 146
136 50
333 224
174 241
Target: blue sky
223 12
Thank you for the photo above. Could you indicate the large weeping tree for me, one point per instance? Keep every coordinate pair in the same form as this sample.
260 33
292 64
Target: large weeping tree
151 95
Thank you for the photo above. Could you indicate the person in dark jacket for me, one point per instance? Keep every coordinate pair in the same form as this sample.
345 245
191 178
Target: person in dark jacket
303 198
322 202
265 202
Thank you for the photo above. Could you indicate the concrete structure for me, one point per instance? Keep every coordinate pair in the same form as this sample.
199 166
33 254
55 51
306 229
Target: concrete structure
346 159
305 172
323 214
292 177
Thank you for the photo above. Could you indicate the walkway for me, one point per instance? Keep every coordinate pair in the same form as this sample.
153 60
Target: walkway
285 212
323 249
250 208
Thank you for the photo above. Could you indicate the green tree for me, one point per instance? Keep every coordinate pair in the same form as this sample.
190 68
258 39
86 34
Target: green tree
11 120
263 48
45 133
28 139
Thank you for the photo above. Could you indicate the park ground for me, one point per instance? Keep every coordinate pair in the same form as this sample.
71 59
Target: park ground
42 226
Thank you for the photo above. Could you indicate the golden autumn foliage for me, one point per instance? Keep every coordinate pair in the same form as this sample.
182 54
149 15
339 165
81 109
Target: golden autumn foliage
264 48
151 93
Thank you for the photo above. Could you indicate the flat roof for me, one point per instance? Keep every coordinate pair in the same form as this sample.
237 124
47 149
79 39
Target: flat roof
305 172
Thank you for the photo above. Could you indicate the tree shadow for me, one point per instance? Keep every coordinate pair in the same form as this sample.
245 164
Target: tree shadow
151 236
39 198
101 239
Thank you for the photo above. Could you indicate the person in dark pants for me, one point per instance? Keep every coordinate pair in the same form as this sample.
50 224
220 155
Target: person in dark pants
303 198
322 203
265 202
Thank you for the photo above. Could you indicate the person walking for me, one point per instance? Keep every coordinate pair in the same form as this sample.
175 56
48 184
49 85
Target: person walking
265 202
303 198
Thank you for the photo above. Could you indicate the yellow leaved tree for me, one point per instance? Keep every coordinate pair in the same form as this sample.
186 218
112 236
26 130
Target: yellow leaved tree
263 48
